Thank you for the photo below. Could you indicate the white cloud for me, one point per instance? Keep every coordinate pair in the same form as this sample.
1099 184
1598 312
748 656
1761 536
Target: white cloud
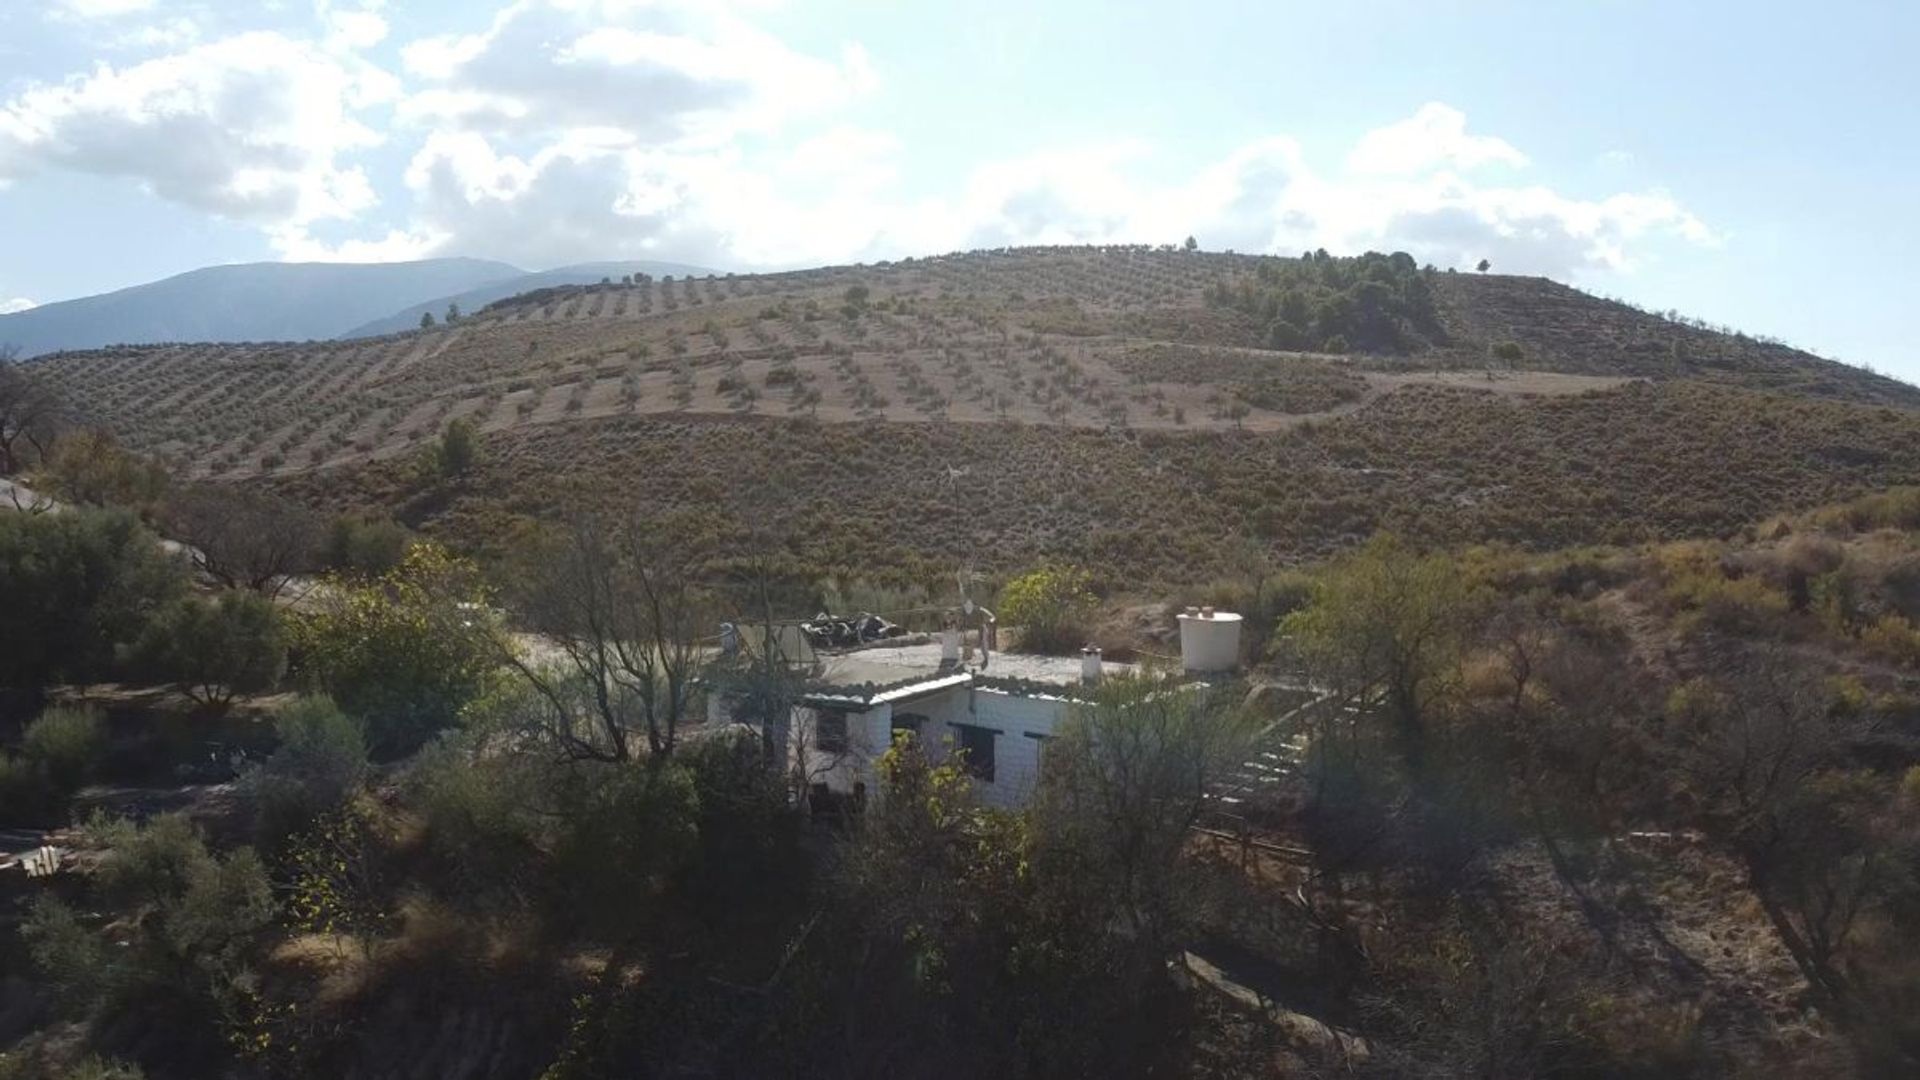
839 196
253 127
16 305
567 130
1434 137
102 9
656 72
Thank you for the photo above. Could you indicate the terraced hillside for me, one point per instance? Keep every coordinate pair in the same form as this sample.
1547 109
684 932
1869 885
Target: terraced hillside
1093 403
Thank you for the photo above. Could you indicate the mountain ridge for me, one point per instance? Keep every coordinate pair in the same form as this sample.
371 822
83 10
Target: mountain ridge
288 302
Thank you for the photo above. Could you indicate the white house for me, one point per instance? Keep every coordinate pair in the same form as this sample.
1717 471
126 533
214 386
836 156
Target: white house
1000 712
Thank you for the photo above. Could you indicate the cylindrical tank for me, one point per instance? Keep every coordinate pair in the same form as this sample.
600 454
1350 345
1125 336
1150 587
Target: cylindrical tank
1090 664
1209 640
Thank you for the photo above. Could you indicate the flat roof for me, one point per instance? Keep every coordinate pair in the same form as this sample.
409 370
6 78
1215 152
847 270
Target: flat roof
871 676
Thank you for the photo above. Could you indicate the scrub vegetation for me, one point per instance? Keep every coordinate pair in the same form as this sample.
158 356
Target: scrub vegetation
1578 733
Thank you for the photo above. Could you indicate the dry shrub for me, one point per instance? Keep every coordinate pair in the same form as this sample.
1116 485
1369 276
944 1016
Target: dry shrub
1893 638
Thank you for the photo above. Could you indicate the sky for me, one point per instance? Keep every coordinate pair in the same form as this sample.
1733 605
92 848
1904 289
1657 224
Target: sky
1747 163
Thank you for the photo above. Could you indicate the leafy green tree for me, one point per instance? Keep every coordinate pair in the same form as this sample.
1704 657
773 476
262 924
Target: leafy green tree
1190 245
453 312
459 445
426 320
1484 266
77 586
1387 628
1052 607
216 649
1509 352
405 652
1371 302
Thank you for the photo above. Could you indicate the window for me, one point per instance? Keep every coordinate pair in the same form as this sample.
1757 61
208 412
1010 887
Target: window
830 732
910 723
1040 743
976 744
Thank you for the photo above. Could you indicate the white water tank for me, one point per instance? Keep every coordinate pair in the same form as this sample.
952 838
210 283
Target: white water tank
1209 640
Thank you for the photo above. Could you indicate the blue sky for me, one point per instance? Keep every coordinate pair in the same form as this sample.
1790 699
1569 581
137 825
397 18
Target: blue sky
1747 163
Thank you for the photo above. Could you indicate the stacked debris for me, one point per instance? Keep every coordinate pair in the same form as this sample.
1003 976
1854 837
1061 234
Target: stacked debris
826 631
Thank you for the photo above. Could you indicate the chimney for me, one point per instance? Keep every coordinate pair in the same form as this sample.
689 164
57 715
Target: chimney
1209 640
1090 665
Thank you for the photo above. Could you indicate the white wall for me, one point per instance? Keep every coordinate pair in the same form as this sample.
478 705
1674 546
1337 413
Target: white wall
1016 757
1014 716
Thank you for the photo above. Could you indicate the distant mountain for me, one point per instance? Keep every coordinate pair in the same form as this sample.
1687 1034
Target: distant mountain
474 298
246 302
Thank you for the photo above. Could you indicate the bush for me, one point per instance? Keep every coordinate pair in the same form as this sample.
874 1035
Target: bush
174 957
91 469
64 744
320 763
646 814
1052 606
1894 638
484 820
77 586
216 649
75 960
369 546
25 796
405 653
459 446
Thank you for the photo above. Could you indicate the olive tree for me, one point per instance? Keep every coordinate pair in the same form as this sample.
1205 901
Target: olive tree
243 539
624 609
31 412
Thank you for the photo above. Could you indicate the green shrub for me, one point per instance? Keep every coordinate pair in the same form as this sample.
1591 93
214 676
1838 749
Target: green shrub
320 763
455 453
216 649
484 820
405 653
1052 606
25 795
649 815
65 743
75 961
77 586
368 546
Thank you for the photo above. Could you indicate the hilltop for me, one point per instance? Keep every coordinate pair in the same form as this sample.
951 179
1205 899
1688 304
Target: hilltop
1120 405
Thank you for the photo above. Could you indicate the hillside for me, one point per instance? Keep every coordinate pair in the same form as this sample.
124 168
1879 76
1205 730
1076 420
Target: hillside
474 299
1003 406
245 302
